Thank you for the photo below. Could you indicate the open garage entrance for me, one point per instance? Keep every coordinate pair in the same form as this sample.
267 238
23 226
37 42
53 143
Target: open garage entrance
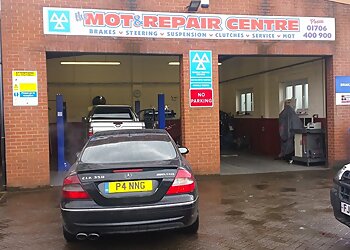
253 92
134 80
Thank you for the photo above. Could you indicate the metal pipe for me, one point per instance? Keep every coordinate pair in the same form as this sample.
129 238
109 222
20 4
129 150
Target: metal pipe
137 106
161 111
81 236
60 132
93 236
3 181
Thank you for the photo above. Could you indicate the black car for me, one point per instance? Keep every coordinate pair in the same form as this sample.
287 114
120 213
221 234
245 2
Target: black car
127 181
340 195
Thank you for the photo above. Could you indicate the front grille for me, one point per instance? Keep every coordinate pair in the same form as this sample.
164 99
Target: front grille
346 177
344 193
344 190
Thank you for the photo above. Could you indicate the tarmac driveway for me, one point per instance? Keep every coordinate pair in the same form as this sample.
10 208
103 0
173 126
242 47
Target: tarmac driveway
261 211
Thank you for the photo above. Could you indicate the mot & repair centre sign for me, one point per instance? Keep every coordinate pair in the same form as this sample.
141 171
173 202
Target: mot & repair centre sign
25 88
201 78
117 23
342 90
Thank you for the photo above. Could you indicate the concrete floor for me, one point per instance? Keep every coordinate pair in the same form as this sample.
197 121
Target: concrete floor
233 163
246 163
289 210
56 178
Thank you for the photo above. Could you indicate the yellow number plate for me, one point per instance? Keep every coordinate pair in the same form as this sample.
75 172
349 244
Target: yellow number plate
128 186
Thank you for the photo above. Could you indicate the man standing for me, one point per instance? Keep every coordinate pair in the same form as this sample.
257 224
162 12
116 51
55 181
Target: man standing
288 122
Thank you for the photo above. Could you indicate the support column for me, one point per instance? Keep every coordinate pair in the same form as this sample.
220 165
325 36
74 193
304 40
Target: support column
200 126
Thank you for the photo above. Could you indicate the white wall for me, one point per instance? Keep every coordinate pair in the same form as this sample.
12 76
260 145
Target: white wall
132 69
80 84
268 89
78 97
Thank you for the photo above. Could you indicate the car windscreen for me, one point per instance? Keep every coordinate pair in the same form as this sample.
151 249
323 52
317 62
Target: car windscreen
128 148
112 113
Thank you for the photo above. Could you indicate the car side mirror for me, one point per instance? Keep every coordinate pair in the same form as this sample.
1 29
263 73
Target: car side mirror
183 150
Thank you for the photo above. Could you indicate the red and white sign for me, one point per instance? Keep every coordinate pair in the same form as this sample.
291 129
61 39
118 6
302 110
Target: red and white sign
118 23
201 98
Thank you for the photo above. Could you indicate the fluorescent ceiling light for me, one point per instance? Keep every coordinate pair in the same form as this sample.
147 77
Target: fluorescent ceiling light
90 63
174 63
219 64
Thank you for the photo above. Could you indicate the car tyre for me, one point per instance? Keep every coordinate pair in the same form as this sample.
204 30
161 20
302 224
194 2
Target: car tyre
193 229
68 236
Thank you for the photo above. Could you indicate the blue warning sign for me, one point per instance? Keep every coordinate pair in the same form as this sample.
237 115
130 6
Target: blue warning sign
201 69
29 94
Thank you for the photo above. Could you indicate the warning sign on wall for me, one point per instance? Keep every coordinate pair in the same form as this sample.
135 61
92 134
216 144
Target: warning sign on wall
201 78
201 98
25 88
342 90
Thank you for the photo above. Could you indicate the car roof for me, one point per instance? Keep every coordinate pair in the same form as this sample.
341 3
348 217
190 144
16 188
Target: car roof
111 105
131 132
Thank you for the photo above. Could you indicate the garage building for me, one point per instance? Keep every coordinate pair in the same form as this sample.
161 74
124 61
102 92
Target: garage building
260 54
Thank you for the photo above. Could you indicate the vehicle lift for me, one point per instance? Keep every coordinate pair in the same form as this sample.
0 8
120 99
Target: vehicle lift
63 165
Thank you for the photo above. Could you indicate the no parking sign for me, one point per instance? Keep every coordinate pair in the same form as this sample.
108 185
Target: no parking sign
201 97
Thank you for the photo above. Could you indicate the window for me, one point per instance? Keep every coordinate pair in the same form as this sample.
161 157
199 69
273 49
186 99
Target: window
128 148
110 112
246 101
298 90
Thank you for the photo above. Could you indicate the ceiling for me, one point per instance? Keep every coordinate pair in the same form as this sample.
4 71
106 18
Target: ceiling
234 67
150 68
132 69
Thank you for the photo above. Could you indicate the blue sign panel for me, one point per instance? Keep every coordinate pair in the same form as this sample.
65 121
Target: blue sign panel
201 85
342 84
201 69
28 94
342 90
59 21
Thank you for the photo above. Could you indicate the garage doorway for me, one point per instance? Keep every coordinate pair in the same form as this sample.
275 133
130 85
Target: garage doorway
134 80
253 90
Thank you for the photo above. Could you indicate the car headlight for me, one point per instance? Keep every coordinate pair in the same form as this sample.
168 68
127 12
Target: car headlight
340 173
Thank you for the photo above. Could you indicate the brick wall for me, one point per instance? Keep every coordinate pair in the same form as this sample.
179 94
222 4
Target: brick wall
24 47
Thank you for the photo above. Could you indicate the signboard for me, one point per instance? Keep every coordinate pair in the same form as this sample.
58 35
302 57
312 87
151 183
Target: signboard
201 78
200 69
201 98
342 90
25 88
117 23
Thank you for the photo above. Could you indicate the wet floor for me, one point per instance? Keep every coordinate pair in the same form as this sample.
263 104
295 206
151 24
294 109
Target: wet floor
262 211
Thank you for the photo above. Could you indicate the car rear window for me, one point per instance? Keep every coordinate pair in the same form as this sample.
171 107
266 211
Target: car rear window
112 113
128 148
